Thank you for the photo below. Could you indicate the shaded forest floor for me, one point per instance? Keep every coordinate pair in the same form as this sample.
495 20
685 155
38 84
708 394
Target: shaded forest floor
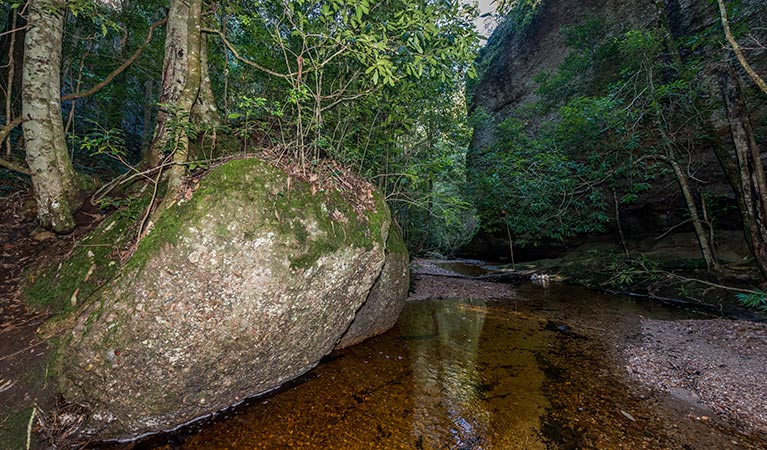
24 354
21 351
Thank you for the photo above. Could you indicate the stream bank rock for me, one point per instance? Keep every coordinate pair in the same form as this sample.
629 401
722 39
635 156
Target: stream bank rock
235 291
387 298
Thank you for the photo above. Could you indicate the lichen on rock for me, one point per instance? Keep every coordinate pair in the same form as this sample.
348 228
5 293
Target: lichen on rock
241 288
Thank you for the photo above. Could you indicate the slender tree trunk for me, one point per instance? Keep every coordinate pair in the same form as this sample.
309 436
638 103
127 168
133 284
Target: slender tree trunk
11 60
703 238
11 88
53 177
751 170
146 130
755 77
616 204
730 168
700 231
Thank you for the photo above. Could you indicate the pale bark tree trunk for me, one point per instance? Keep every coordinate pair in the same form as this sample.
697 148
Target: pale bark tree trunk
751 170
53 177
205 110
616 205
188 94
185 92
705 245
175 64
730 168
755 77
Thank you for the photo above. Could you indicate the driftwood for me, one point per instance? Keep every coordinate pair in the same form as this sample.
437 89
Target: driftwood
504 277
514 278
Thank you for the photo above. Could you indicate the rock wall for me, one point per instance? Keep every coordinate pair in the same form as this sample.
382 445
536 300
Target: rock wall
513 56
235 291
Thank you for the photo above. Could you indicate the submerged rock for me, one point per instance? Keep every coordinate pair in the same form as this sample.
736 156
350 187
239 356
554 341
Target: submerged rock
245 286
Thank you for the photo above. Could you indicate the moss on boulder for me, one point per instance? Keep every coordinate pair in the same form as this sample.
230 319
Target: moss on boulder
61 286
244 286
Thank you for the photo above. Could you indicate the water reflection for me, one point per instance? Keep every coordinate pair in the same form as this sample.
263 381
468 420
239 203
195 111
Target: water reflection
477 384
443 361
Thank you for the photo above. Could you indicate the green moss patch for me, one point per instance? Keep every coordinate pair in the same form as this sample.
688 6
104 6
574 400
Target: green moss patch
13 428
290 207
62 285
286 206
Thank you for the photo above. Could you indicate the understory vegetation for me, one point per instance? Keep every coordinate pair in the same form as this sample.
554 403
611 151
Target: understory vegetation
374 86
100 97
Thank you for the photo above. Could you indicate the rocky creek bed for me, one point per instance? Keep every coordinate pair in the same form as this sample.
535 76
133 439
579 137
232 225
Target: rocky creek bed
501 366
693 371
719 363
474 364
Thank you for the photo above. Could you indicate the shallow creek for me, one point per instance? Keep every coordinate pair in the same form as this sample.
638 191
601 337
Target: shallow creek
541 369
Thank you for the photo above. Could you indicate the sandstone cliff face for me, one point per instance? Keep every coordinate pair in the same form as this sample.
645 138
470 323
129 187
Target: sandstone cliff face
513 56
241 288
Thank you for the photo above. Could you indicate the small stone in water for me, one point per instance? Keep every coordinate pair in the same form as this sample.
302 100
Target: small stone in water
628 416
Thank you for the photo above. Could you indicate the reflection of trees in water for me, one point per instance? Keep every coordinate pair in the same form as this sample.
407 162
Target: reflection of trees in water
443 355
469 393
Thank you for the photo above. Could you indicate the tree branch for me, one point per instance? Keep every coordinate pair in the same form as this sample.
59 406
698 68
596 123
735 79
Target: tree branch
15 30
122 67
9 127
15 167
245 60
738 51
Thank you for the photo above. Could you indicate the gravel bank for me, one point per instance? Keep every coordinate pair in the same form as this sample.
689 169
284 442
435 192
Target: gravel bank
721 363
435 282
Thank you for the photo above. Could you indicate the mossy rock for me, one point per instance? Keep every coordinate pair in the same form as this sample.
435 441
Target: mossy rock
235 291
61 285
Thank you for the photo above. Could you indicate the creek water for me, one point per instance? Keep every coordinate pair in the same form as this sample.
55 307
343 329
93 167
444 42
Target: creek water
521 373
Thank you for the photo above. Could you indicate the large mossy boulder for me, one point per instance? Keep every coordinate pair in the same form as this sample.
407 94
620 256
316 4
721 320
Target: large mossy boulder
244 286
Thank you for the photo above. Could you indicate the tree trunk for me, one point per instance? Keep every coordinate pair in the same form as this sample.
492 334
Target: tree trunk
146 131
11 59
189 93
616 205
700 231
175 64
185 84
730 168
53 177
205 110
751 170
